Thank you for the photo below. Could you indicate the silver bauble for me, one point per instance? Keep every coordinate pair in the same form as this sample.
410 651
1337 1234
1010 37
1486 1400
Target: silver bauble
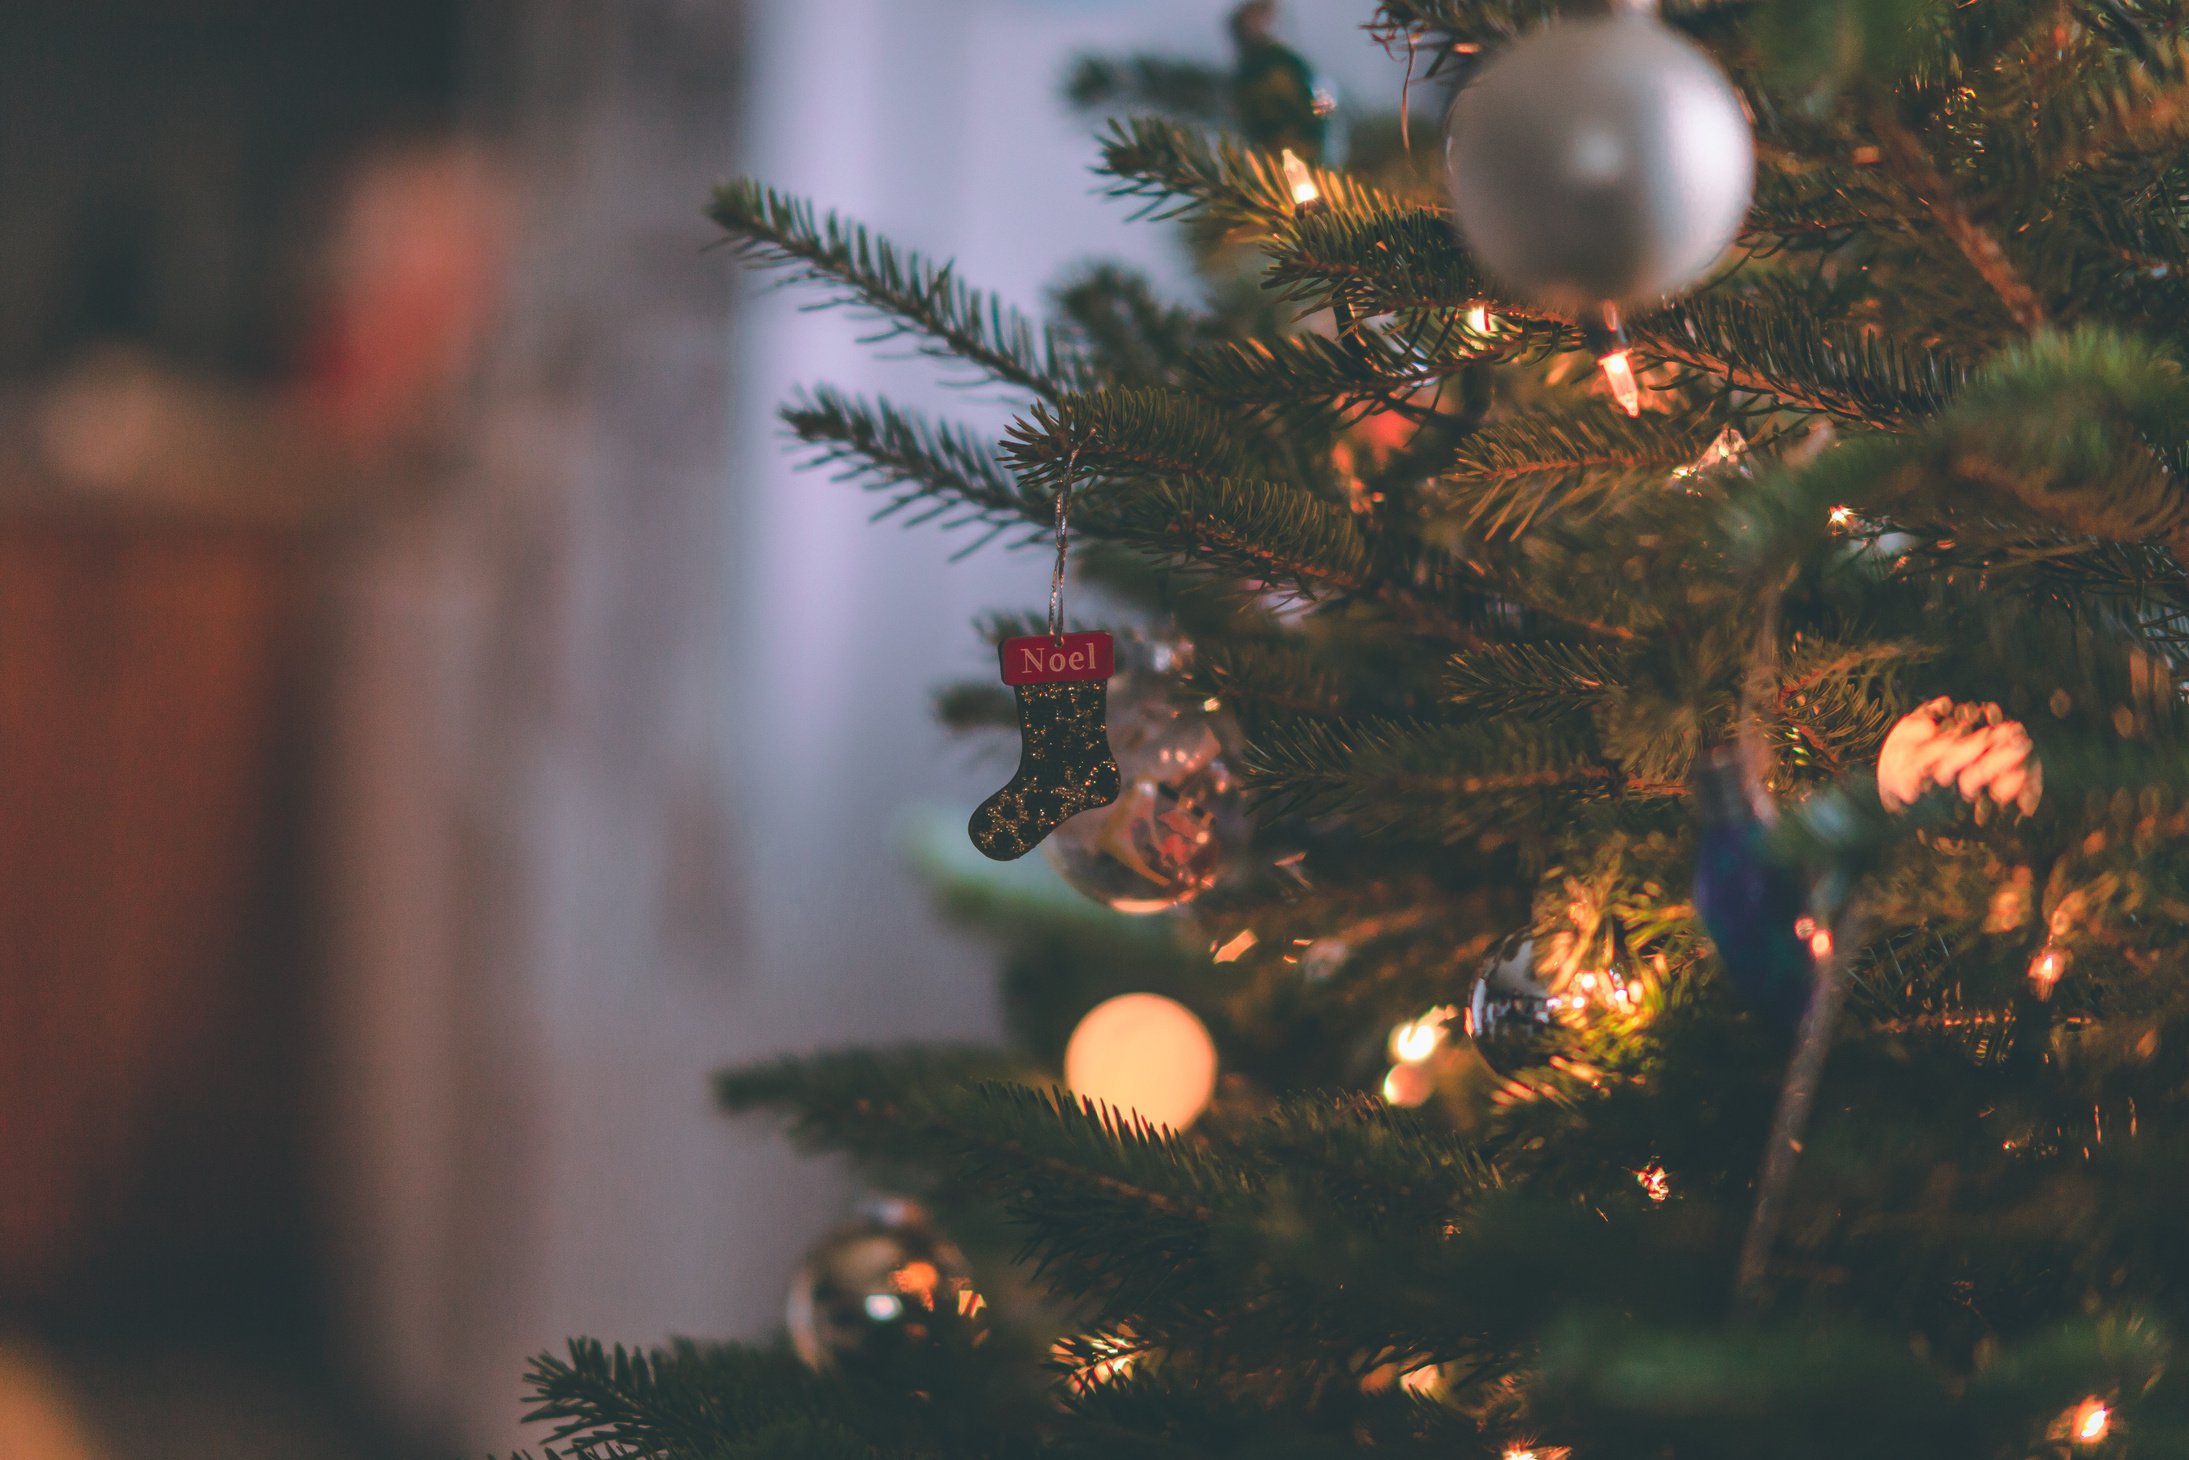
880 1286
1511 1015
1600 159
1177 818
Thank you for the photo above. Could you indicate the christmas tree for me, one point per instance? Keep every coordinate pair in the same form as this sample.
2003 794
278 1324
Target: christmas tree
1670 815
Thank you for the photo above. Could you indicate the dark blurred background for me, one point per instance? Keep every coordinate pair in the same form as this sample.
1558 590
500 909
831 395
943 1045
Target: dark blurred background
437 727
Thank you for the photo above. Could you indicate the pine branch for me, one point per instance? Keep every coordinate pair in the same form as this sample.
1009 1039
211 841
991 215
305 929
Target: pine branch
1272 534
1190 91
1480 22
912 296
945 466
1775 337
1126 330
1133 434
1313 379
1776 342
1180 173
2119 111
1282 677
2070 431
1544 681
1506 475
1442 782
1929 188
689 1400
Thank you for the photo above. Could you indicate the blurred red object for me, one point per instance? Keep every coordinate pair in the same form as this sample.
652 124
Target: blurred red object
412 273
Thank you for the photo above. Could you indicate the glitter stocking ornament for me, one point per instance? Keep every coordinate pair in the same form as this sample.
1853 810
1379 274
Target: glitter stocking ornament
1065 766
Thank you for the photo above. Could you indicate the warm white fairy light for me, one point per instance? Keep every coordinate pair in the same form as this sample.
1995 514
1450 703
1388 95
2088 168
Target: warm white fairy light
2092 1421
1841 517
2046 968
1478 318
1619 375
1301 180
1418 1038
1656 1183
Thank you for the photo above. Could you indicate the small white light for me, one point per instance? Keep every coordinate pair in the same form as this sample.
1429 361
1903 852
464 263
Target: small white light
884 1307
1619 375
1300 180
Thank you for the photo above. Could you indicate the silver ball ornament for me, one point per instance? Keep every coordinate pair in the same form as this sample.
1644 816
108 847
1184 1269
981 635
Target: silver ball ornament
1599 160
1512 1016
878 1288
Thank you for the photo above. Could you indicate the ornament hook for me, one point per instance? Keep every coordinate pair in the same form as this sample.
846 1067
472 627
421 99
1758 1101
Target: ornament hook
1063 544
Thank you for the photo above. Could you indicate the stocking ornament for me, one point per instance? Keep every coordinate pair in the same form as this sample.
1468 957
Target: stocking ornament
1065 766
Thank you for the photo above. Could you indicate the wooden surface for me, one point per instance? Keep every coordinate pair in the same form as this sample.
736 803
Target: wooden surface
145 1038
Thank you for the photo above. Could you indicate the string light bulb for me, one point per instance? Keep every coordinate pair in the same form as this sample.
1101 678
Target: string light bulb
2091 1422
2046 968
1478 318
1618 367
1418 1038
1300 179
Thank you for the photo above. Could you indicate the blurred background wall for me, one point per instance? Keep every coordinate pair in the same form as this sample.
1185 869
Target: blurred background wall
437 727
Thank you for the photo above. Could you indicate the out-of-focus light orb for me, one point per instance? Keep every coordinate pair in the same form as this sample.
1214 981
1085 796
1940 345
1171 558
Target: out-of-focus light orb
2092 1422
1408 1086
1144 1055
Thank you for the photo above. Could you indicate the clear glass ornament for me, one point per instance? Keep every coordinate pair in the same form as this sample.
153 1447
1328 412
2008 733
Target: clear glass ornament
879 1286
1520 1009
1176 820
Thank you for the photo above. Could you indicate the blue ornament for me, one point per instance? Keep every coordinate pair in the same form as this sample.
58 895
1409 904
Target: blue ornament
1754 905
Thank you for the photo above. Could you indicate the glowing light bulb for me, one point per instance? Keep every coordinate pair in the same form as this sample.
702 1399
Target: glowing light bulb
1656 1183
1619 375
2045 969
1478 318
1417 1039
1841 517
1305 191
2091 1421
1818 938
1145 1056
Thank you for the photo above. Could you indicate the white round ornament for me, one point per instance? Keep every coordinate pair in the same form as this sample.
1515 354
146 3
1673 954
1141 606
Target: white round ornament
1599 160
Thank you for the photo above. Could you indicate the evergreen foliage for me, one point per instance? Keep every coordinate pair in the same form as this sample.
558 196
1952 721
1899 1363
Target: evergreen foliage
1476 629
